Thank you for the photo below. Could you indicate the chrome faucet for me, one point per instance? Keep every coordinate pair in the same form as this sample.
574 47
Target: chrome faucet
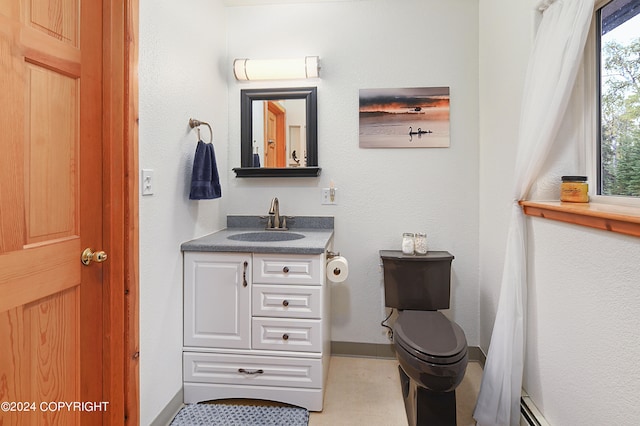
278 223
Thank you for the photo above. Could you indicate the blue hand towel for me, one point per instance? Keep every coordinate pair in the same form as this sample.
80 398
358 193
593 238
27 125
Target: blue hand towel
205 182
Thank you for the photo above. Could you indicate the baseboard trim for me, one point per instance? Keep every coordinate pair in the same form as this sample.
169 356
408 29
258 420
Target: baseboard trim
529 413
369 350
170 410
476 354
386 350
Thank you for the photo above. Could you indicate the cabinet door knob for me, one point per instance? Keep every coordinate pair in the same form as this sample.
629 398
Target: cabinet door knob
285 303
285 337
285 269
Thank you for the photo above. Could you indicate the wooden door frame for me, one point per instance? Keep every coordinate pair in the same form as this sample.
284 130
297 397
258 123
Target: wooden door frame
120 199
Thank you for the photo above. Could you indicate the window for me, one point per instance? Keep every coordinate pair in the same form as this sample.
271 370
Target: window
609 101
618 65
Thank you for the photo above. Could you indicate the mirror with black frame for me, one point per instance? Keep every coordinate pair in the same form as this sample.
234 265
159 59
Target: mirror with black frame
278 133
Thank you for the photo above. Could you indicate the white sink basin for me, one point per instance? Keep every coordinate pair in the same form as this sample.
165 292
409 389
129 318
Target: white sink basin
266 236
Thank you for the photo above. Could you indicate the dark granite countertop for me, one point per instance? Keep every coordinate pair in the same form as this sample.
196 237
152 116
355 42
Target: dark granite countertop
317 231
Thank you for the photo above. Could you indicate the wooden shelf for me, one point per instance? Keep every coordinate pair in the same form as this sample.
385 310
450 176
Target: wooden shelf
621 219
253 172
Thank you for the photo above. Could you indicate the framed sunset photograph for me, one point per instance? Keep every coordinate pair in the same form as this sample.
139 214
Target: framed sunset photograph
404 118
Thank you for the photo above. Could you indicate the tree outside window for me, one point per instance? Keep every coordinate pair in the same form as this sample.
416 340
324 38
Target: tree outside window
620 99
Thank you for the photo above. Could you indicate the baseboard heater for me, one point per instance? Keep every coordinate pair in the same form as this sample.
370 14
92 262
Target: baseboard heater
529 413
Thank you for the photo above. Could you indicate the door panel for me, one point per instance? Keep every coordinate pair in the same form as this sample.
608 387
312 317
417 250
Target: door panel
58 19
50 198
40 351
51 162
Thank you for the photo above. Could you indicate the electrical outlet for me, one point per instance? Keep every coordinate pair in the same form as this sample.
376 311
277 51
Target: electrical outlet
329 196
147 182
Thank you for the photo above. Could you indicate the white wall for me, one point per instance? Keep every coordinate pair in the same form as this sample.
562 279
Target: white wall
383 192
182 75
583 294
582 344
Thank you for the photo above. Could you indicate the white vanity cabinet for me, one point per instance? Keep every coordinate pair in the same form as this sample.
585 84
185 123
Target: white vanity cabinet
256 326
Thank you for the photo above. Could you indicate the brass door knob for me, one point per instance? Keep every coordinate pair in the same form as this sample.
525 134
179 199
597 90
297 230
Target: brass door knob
88 256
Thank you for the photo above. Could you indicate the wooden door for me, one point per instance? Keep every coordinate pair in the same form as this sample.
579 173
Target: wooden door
275 145
51 310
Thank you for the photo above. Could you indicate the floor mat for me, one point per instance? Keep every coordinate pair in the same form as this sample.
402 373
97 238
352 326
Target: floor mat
240 415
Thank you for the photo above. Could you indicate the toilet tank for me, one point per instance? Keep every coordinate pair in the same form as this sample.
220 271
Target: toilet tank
420 282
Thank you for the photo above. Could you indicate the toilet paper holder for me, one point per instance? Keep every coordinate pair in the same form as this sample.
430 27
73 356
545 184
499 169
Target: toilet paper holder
332 254
337 268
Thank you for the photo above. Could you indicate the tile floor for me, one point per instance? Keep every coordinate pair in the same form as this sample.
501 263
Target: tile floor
366 391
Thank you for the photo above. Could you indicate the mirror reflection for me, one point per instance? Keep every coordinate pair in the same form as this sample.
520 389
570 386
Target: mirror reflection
279 133
279 129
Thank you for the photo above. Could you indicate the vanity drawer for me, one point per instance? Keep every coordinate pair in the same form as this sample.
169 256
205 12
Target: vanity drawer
252 370
287 301
287 269
303 335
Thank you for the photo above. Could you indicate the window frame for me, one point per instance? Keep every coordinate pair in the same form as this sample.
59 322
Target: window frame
592 112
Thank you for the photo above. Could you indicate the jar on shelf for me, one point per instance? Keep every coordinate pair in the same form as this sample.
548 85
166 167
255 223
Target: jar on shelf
574 189
420 243
408 244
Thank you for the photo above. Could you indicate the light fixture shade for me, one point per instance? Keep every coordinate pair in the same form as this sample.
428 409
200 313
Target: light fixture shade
276 69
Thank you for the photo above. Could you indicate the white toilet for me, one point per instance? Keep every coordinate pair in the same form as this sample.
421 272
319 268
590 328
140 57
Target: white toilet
431 349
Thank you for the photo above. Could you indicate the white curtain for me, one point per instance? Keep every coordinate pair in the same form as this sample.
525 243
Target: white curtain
553 66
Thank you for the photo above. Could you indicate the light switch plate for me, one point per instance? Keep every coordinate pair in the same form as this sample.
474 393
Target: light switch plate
147 182
329 196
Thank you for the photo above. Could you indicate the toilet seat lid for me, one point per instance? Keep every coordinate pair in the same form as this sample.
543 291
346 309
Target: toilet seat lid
430 336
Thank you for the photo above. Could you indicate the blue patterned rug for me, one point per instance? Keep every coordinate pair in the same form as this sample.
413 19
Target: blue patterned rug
240 415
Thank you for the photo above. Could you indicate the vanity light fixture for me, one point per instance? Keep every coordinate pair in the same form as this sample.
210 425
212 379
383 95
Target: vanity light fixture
276 69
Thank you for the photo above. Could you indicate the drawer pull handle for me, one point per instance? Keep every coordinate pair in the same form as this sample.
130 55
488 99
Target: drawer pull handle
242 370
285 303
285 269
285 337
244 274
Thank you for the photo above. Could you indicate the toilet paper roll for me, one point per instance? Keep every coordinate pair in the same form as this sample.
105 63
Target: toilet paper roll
337 269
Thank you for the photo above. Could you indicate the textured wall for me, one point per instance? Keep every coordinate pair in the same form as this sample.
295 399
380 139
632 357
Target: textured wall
182 45
582 344
383 192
